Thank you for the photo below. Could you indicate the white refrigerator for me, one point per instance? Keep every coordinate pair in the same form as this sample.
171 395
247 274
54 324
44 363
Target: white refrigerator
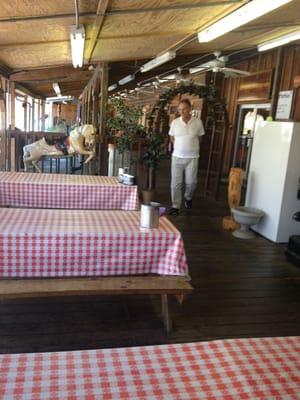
273 179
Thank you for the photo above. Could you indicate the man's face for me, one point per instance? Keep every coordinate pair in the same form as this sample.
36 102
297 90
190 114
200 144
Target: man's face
184 110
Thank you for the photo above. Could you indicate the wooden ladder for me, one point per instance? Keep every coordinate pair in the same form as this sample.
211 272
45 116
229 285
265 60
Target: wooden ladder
216 127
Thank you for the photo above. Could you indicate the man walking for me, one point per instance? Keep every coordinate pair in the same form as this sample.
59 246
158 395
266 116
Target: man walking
186 134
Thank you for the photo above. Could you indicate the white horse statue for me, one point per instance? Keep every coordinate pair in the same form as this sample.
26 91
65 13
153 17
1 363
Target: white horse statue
80 141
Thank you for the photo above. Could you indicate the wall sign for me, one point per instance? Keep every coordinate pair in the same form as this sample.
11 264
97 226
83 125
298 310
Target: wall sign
284 105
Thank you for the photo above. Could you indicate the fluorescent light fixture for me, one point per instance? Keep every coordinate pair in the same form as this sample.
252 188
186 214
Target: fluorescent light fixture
290 37
112 87
77 45
60 99
127 79
168 77
196 69
169 55
252 10
56 89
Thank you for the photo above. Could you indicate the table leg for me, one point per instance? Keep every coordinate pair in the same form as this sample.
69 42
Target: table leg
166 313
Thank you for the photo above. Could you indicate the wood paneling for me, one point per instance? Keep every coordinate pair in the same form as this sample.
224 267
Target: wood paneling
66 112
229 89
256 87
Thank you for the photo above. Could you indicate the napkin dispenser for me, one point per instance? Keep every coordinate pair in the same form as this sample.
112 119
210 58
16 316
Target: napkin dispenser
150 215
127 179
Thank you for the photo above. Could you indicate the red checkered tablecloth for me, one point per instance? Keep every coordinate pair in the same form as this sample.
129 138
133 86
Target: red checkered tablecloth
19 189
62 243
240 369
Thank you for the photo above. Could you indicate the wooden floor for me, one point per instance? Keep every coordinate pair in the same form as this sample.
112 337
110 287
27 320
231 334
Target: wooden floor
242 289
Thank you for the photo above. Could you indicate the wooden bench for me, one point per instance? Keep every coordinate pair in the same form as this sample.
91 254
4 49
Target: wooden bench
162 285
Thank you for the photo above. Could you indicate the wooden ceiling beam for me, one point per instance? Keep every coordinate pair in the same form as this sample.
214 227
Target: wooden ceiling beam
113 12
31 18
60 74
28 91
97 26
4 70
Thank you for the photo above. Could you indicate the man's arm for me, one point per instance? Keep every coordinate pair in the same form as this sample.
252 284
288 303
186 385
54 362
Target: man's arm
201 132
172 138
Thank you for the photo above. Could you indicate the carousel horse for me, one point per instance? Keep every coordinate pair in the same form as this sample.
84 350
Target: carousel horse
80 141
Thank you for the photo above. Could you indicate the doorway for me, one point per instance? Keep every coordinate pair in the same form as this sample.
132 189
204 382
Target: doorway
249 117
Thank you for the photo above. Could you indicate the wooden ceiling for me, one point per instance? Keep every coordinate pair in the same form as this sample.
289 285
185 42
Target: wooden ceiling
35 36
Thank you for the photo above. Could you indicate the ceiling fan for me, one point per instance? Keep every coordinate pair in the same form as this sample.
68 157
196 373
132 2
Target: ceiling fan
218 64
178 77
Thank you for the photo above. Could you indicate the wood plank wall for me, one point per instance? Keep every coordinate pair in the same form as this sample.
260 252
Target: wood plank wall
66 112
262 62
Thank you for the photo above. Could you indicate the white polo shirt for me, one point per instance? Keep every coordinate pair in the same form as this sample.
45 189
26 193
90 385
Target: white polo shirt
186 144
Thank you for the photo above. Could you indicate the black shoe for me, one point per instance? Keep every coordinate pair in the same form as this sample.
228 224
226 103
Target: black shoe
173 211
188 204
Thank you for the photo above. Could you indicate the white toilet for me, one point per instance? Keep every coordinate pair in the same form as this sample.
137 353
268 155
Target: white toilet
246 217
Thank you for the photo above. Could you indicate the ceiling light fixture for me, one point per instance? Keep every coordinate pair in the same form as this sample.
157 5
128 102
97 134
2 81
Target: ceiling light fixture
252 10
112 87
290 37
60 99
77 44
169 55
196 69
56 89
127 79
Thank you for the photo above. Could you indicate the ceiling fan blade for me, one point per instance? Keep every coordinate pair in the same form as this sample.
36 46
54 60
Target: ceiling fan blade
238 72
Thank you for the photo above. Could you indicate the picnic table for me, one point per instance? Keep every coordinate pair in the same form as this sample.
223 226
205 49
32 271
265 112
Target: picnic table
19 189
261 368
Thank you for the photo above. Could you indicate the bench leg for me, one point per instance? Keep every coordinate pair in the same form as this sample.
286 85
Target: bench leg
166 313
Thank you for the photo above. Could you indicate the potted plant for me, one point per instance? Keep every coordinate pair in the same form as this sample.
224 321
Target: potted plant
151 160
123 128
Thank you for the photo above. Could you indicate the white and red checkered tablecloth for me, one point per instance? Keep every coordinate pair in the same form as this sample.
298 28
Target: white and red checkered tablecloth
64 243
240 369
19 189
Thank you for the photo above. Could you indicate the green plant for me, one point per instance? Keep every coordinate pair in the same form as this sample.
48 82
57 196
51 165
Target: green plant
122 124
152 157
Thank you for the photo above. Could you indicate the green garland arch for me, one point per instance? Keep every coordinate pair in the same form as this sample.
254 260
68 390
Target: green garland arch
207 92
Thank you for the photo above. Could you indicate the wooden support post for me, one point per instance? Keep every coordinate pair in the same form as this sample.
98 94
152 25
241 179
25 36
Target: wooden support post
39 115
84 107
3 125
166 313
32 114
11 140
102 123
276 82
26 127
12 105
88 107
43 115
78 112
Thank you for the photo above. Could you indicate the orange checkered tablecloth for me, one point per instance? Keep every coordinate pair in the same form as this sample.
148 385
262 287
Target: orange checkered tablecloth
19 189
69 243
240 369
